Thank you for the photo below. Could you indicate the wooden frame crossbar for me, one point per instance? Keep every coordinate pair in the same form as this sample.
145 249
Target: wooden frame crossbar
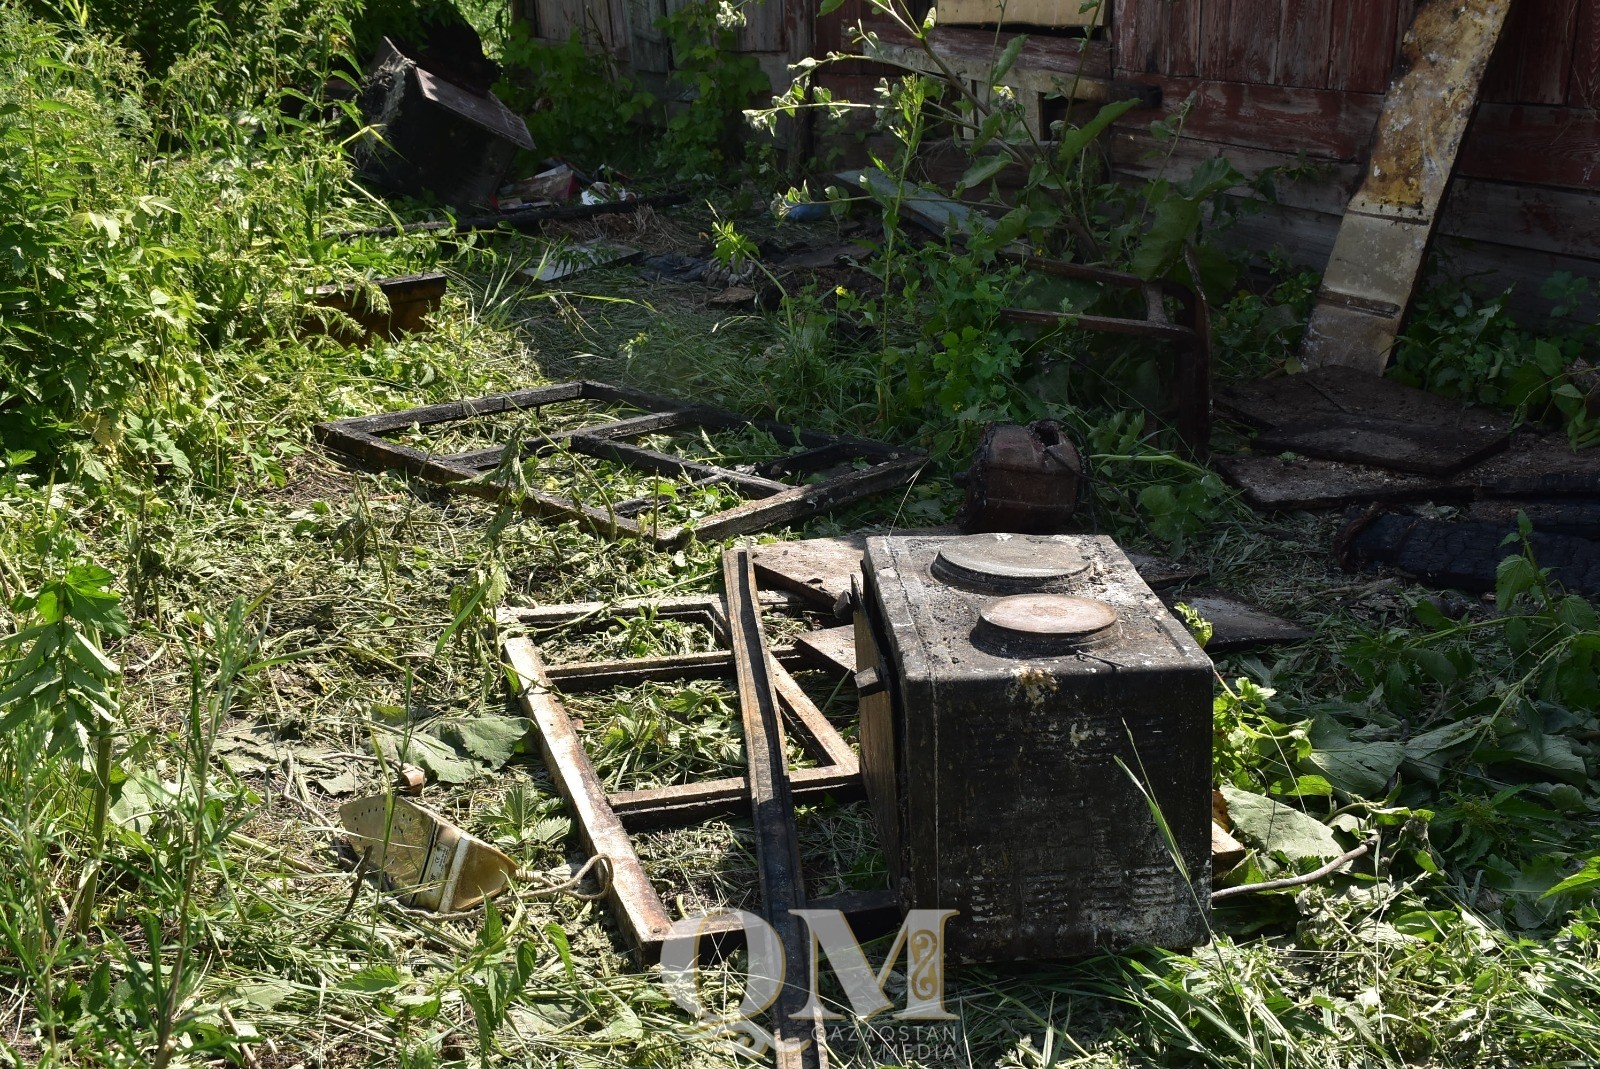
771 500
605 820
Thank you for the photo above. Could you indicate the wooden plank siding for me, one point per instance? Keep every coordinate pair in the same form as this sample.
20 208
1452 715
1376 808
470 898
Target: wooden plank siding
1305 43
1583 87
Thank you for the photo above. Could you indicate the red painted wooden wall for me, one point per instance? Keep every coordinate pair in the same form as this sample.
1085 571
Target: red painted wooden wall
1550 53
1291 75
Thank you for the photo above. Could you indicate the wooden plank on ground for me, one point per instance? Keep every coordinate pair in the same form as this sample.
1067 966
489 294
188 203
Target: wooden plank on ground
777 841
1377 259
637 907
1534 466
1340 413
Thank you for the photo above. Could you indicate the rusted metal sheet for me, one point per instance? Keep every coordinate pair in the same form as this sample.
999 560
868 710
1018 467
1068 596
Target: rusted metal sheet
798 1042
774 501
1377 259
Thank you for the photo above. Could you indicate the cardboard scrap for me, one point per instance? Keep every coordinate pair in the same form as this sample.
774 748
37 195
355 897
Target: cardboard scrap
432 862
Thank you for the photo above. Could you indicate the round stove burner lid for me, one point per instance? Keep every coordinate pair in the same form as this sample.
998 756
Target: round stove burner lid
1046 623
1001 562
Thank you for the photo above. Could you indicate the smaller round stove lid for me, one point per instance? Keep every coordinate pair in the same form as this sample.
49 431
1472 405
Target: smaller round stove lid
1041 624
1002 563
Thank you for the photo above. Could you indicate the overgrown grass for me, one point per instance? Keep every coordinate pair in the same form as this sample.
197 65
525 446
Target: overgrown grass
252 634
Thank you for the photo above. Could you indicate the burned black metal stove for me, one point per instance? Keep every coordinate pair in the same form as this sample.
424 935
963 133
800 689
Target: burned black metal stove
1019 696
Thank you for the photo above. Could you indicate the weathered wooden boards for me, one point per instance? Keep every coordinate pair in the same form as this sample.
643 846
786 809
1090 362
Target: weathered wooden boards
1528 198
1377 259
1340 413
605 821
1533 466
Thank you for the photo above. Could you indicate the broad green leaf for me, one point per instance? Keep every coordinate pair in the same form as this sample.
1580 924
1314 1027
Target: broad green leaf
1362 769
1427 754
265 993
1074 140
1545 753
1585 881
373 980
491 739
1008 59
1279 829
429 753
982 170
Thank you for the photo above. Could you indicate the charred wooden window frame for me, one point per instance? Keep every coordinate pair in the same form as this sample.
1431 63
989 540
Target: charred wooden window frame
607 820
773 501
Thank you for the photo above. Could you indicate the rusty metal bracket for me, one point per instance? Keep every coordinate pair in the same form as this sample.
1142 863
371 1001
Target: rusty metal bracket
772 500
606 821
1189 335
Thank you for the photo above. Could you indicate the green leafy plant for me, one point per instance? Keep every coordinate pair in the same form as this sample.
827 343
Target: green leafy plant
1463 344
707 136
578 104
60 688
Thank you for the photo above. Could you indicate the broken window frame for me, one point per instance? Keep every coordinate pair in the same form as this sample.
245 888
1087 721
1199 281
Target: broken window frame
772 501
606 820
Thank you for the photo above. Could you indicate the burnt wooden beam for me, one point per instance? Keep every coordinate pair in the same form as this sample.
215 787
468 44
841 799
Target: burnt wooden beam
685 804
581 676
635 904
774 502
642 459
636 425
783 889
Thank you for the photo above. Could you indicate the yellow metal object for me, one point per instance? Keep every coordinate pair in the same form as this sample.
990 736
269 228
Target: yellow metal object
1377 258
433 863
